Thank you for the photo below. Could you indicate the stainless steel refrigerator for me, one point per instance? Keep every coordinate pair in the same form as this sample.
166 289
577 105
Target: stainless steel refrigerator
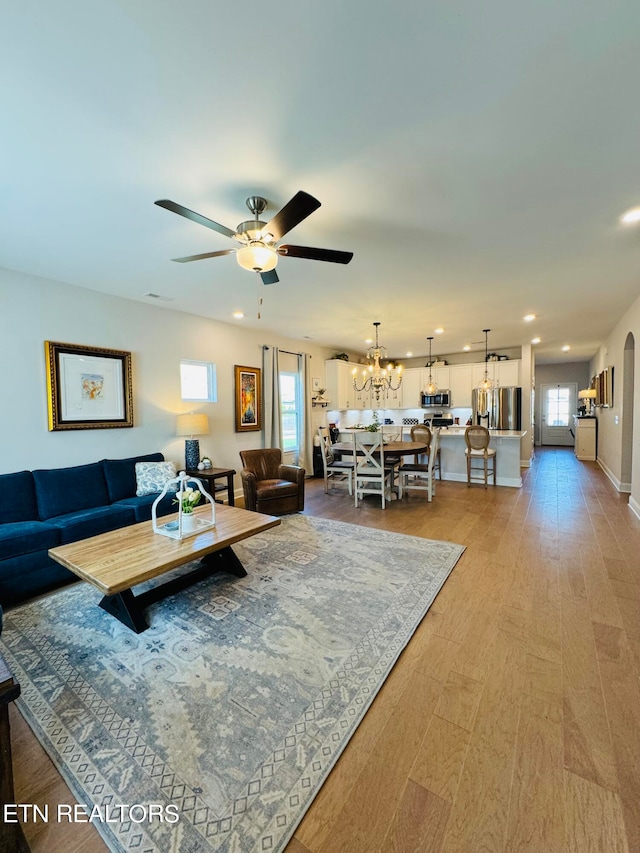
500 408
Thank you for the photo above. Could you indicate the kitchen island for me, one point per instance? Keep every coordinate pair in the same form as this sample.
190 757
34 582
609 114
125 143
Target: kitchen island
453 462
506 443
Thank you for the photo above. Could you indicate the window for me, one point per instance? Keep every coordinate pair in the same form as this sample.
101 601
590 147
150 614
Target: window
558 407
198 381
289 396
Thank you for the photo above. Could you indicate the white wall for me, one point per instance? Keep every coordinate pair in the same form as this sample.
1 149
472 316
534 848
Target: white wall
609 431
33 310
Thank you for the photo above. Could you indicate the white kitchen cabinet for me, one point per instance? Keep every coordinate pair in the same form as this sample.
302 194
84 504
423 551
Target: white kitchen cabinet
586 432
412 385
508 373
392 399
441 376
339 381
502 373
478 370
461 384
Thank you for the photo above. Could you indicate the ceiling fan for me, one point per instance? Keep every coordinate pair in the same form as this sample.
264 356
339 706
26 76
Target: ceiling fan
259 250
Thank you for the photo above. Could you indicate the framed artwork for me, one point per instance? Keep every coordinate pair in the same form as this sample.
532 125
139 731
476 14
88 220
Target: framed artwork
248 399
88 387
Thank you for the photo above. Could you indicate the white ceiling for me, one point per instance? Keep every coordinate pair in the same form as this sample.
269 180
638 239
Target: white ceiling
474 156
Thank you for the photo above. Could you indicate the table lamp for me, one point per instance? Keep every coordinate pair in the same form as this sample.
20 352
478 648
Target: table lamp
194 423
588 395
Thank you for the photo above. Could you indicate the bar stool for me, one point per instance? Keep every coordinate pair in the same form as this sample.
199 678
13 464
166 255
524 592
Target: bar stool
477 440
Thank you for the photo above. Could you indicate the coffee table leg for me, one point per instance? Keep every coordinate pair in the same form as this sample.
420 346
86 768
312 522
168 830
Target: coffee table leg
224 560
126 609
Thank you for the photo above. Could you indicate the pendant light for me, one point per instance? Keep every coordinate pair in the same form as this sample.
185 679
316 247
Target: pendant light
431 387
487 384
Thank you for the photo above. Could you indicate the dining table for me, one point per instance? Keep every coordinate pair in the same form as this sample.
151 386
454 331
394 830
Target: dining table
391 448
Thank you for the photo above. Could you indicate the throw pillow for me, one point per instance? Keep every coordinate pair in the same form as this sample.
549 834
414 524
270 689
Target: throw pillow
151 477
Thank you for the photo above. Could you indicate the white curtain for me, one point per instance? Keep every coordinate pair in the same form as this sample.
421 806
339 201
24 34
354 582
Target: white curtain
306 421
272 433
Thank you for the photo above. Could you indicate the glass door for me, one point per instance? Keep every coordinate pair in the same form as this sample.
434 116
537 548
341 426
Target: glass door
558 404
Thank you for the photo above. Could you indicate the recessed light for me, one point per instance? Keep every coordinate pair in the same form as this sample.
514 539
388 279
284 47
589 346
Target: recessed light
631 216
566 348
466 348
238 315
438 331
535 340
409 354
529 317
369 341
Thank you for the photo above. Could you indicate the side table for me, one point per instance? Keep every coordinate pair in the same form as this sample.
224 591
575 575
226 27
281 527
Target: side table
209 477
12 838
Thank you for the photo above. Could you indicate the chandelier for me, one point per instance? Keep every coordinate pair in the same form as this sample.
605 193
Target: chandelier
486 384
431 387
378 378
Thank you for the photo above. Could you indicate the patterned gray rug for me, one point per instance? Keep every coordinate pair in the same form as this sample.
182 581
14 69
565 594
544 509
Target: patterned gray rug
228 714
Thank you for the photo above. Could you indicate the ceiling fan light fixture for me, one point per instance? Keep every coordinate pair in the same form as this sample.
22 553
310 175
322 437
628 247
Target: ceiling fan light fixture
257 256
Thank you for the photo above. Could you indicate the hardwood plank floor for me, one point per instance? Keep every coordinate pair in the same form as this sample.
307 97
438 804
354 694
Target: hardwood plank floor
511 721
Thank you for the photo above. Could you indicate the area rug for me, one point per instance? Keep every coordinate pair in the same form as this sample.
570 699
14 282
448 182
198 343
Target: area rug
214 729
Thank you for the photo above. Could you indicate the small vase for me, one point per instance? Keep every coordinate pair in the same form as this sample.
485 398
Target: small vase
189 522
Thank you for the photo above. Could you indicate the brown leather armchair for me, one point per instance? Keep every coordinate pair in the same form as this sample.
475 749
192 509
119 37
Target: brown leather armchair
268 485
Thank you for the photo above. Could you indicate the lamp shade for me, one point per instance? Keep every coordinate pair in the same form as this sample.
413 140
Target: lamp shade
256 256
195 423
587 394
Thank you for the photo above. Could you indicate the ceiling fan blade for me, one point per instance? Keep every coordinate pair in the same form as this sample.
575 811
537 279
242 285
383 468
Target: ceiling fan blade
205 255
330 255
294 211
270 277
174 207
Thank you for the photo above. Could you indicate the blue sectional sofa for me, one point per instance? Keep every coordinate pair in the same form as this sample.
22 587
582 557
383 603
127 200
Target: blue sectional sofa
44 508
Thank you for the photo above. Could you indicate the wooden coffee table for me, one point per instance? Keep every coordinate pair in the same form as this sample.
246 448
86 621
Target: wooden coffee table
116 561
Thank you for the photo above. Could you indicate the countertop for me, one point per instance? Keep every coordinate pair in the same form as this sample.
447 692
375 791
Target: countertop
498 433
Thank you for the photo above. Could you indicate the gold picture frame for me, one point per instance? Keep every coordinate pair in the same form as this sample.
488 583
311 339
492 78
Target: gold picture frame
248 393
88 387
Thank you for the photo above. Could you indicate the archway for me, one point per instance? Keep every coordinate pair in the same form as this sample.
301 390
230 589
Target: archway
626 466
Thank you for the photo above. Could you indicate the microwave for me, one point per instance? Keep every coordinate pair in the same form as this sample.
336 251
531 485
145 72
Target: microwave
440 398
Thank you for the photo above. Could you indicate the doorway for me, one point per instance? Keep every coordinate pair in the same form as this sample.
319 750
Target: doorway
558 406
626 466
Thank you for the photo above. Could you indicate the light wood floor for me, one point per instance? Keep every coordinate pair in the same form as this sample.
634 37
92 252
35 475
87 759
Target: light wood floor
512 720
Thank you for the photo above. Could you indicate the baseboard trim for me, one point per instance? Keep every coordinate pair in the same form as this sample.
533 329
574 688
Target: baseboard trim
616 482
634 506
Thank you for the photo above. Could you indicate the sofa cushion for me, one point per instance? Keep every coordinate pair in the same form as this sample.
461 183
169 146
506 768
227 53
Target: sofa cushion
18 497
23 537
24 577
142 505
120 475
91 522
64 490
151 477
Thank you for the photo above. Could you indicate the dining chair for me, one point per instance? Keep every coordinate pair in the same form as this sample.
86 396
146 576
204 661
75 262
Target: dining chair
418 475
477 439
374 476
422 432
340 473
391 432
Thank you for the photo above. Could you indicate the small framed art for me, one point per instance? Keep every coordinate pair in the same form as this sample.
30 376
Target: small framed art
248 385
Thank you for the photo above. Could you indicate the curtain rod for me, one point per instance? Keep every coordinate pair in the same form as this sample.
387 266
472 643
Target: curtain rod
288 352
